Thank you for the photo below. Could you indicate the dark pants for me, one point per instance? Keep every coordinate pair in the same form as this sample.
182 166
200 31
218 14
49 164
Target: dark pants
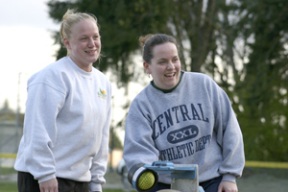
208 186
211 185
27 183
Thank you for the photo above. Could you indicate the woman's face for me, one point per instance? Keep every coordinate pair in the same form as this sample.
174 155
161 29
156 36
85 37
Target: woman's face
165 66
84 44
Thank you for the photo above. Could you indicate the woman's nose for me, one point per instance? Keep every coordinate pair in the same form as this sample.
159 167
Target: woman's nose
170 65
91 42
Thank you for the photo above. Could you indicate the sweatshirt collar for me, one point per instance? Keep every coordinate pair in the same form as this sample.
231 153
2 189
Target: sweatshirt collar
75 66
168 90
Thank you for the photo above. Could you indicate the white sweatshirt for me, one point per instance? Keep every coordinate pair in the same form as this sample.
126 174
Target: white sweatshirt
192 124
66 125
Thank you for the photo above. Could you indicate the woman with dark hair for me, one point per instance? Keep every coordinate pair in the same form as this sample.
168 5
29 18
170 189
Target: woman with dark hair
182 117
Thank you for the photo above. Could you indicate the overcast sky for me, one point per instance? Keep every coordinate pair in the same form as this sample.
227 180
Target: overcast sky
26 46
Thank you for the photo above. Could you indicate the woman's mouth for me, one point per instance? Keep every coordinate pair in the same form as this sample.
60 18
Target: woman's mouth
169 75
91 52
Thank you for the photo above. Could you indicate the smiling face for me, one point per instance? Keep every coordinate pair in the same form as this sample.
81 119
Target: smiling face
84 44
165 66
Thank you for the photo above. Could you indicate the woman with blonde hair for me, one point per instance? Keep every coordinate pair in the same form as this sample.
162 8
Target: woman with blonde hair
66 127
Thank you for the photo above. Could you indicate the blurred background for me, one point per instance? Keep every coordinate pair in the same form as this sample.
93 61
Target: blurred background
241 44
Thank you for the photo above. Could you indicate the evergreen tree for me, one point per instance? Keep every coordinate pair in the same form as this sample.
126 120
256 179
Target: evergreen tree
241 44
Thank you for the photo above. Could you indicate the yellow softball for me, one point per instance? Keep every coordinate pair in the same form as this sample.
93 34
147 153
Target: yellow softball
146 180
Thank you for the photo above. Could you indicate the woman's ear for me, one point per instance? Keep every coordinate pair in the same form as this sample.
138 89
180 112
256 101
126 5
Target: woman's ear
66 43
146 67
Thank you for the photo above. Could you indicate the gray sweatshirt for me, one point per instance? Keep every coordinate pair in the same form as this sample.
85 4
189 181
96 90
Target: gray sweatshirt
66 126
192 124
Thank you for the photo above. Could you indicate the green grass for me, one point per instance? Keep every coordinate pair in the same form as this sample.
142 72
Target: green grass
7 170
8 187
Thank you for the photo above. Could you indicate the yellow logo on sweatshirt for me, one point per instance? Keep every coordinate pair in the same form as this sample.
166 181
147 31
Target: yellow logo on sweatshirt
102 93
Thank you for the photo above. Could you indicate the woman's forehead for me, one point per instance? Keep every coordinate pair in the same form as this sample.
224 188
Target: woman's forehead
85 26
165 49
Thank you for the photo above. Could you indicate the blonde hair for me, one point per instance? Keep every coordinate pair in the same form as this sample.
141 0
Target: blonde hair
70 18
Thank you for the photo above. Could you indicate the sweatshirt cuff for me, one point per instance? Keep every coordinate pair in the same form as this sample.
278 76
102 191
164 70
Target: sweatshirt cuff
229 177
46 178
95 187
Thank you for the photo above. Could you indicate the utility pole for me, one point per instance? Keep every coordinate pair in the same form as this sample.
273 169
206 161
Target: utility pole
18 128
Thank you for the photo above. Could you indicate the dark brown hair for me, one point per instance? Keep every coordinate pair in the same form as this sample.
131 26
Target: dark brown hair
148 42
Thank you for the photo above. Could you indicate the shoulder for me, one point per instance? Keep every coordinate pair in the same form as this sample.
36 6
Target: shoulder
101 75
196 75
54 72
198 78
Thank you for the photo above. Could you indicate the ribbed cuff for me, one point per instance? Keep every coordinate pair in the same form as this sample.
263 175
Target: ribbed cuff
229 177
132 171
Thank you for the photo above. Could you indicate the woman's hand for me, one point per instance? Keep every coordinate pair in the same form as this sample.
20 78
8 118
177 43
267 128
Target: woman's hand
49 186
227 186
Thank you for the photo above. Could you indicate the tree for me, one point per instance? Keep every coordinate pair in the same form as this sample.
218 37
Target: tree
241 44
266 79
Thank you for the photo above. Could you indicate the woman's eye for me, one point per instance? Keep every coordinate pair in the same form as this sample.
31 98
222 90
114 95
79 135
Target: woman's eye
162 62
175 59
